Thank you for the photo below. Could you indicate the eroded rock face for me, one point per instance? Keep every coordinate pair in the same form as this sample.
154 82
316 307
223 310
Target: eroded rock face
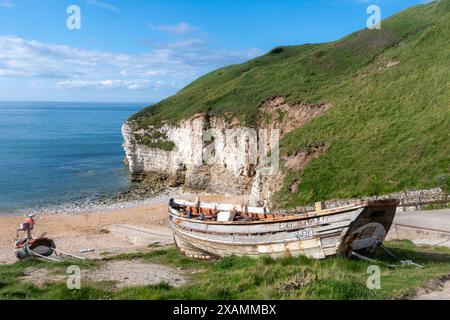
213 154
276 113
209 154
301 159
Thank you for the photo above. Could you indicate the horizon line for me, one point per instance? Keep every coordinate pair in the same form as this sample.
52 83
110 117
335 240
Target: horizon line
74 101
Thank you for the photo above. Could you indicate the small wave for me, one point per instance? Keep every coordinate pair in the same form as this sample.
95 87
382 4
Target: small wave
89 173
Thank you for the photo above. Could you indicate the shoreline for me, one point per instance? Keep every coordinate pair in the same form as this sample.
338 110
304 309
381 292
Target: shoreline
134 196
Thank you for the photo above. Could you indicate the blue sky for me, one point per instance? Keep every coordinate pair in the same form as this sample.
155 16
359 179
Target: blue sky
145 50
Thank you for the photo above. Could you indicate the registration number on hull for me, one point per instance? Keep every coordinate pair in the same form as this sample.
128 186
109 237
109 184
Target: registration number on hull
303 234
303 223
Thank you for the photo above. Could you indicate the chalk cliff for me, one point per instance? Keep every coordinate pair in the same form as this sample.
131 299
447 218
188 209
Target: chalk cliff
223 164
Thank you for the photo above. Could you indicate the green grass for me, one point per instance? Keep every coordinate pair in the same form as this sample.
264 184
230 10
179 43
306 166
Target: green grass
388 129
155 139
246 278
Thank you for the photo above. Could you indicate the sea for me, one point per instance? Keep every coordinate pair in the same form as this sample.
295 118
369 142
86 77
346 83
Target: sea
52 153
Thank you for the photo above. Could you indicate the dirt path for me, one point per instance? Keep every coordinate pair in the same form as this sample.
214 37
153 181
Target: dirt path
137 273
125 273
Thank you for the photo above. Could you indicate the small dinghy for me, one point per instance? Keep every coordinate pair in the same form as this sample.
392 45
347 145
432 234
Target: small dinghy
208 230
41 247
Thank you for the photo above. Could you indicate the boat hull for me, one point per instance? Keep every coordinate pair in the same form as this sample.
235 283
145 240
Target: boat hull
316 235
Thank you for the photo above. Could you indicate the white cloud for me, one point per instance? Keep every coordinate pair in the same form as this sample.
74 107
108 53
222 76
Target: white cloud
108 84
103 5
169 66
186 43
7 4
194 43
175 29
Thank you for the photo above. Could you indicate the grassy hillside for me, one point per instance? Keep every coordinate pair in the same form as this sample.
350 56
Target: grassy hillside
389 125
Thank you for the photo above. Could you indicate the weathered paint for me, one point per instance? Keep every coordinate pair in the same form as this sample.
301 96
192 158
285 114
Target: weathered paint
316 234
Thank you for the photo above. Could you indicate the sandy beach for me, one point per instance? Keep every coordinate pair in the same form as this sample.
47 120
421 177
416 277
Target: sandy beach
108 232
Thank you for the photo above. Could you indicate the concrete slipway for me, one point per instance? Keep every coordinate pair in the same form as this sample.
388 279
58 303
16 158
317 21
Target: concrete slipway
422 227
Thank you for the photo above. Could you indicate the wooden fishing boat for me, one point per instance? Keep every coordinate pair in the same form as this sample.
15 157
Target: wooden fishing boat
208 230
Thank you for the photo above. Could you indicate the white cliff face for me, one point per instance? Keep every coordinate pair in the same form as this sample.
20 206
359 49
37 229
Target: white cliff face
208 154
142 159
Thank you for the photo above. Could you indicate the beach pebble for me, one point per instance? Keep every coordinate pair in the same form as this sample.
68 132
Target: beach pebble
137 196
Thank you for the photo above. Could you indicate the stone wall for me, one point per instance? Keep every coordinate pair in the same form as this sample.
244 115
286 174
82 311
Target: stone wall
408 200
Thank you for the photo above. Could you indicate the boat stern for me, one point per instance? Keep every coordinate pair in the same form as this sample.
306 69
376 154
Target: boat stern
369 227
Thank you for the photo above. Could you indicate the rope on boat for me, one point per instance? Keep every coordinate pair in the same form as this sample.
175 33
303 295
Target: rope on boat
56 252
68 254
367 259
44 257
403 263
360 256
